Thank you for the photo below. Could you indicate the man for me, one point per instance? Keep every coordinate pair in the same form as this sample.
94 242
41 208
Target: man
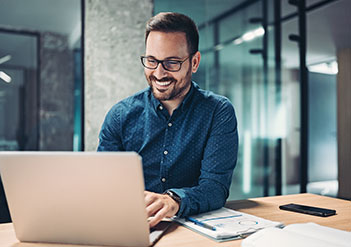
186 136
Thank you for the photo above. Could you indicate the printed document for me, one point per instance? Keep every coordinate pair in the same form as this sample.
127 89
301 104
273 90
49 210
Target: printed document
228 224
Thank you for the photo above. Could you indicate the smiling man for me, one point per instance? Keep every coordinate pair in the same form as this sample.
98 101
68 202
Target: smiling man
186 136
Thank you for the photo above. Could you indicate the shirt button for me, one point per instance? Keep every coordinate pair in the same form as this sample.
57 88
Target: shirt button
163 180
165 152
170 124
160 107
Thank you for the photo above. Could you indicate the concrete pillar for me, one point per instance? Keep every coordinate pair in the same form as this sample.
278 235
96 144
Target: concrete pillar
114 41
344 123
56 93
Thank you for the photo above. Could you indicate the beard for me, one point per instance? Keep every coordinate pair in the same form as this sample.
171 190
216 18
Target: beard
178 88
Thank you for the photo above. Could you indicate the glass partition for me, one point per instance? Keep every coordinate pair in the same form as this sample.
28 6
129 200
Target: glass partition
265 89
41 44
18 91
231 66
40 78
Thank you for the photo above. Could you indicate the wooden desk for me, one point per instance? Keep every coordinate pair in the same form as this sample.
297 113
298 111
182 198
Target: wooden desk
265 207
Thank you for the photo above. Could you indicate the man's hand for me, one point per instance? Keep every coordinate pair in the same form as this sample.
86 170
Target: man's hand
159 206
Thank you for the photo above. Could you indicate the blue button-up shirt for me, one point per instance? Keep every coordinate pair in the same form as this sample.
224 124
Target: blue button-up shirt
193 152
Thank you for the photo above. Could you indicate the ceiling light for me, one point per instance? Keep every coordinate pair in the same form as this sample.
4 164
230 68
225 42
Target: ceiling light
5 77
5 59
248 36
238 41
219 47
259 32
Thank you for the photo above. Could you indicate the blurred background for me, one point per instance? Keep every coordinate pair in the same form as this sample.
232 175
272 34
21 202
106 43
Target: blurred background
64 63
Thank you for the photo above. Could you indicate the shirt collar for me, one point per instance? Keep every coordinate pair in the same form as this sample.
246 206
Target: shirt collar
156 103
188 96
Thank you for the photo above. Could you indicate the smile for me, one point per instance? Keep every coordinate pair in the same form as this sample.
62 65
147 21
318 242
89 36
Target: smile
163 84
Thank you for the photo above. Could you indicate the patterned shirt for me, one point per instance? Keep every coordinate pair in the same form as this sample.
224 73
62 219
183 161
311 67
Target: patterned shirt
192 152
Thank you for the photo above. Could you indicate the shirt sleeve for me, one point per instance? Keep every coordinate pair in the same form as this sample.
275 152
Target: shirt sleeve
110 134
219 160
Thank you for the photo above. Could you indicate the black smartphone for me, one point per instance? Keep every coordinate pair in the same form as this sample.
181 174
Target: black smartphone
323 212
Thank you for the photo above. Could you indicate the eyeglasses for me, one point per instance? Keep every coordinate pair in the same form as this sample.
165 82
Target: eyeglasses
172 65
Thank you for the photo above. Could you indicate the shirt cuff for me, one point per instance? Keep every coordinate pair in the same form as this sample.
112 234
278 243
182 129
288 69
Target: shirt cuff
183 203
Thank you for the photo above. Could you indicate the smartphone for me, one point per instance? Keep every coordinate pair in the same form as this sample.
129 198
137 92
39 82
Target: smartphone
323 212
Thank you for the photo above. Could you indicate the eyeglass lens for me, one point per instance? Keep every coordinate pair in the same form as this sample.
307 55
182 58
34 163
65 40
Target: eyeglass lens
171 65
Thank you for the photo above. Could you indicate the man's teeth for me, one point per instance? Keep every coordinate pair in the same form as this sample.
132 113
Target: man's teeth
166 83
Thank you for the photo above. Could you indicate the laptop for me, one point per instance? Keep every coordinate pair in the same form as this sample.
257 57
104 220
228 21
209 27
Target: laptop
77 198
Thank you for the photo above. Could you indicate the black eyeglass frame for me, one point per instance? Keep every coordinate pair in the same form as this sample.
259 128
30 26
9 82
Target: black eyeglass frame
162 62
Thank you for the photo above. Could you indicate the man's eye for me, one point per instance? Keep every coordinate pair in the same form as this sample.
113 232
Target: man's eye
171 62
151 61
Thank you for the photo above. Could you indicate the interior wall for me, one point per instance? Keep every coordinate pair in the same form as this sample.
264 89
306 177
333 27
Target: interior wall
114 41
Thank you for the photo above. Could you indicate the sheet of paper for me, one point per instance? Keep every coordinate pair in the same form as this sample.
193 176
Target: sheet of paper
302 235
326 234
228 223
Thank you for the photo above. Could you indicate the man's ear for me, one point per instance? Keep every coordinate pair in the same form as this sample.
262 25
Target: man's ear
195 61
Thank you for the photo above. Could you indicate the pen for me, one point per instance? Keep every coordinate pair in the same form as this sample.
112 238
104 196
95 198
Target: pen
199 223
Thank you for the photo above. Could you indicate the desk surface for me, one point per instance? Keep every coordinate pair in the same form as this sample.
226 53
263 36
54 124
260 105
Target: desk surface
265 207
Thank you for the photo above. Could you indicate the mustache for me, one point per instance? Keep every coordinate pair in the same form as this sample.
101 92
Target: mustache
153 78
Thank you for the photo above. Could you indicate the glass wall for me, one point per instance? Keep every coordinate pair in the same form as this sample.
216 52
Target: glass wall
327 33
18 91
231 44
40 78
258 69
40 42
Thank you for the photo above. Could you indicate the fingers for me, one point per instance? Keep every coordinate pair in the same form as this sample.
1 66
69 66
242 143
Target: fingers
149 197
153 207
158 217
154 203
159 206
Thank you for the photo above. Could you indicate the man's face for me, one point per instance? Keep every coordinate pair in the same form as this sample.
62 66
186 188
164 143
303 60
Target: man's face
168 85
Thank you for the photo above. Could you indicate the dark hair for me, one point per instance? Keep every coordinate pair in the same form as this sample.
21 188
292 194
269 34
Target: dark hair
169 22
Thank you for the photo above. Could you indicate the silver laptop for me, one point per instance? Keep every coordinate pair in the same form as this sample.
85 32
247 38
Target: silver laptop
77 198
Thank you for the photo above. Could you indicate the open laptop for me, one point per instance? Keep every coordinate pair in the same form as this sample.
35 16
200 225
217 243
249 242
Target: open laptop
77 198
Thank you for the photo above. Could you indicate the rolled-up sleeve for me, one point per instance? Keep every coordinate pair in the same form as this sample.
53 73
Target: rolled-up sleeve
219 160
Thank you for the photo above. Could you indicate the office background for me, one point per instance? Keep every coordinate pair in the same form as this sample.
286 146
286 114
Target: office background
64 63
